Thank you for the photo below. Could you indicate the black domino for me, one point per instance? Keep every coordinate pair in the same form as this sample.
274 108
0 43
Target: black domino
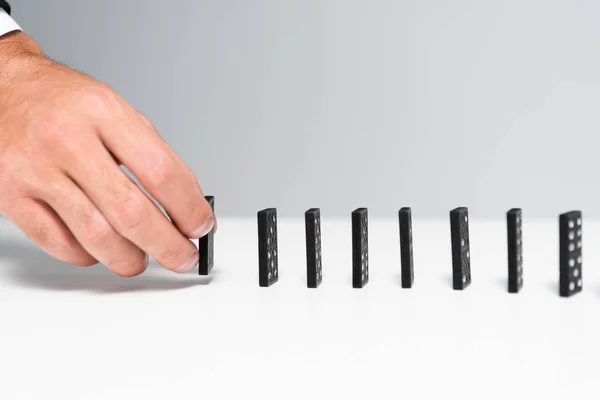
514 227
571 262
360 248
461 254
206 246
314 267
268 269
406 247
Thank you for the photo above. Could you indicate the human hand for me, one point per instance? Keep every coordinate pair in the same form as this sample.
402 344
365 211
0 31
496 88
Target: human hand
63 137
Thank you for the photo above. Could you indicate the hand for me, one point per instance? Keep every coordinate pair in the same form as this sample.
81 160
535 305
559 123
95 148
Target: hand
63 137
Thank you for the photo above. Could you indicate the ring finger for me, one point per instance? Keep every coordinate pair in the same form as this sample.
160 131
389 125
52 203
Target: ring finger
92 230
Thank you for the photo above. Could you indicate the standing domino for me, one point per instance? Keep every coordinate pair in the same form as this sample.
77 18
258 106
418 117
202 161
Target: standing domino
514 224
570 225
206 245
314 274
406 247
461 254
268 273
360 248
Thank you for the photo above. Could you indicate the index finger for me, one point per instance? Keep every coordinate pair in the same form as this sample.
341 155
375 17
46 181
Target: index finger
133 140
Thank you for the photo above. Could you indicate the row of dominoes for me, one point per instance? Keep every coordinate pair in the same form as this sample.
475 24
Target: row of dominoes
570 231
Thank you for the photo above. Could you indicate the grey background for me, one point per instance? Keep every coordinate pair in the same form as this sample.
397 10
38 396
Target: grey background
345 103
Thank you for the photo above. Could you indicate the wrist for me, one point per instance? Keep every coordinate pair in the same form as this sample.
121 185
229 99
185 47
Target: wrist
18 54
17 42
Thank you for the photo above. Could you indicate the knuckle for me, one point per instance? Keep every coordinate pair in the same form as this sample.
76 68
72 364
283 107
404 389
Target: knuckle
190 175
66 249
99 96
160 171
50 185
146 121
130 212
97 230
172 257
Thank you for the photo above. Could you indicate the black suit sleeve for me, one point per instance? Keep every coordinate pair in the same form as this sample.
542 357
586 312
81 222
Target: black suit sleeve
4 4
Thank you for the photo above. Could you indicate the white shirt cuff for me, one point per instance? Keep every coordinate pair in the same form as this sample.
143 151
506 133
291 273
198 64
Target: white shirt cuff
7 24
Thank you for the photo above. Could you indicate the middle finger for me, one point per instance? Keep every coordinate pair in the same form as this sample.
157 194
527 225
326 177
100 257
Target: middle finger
127 208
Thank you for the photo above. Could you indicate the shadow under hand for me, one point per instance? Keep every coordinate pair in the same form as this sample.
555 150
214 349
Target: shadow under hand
30 267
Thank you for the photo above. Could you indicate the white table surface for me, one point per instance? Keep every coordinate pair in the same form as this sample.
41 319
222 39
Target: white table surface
77 333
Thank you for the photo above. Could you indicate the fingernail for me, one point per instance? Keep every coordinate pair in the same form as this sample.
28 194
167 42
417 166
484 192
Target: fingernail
204 228
191 263
216 224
